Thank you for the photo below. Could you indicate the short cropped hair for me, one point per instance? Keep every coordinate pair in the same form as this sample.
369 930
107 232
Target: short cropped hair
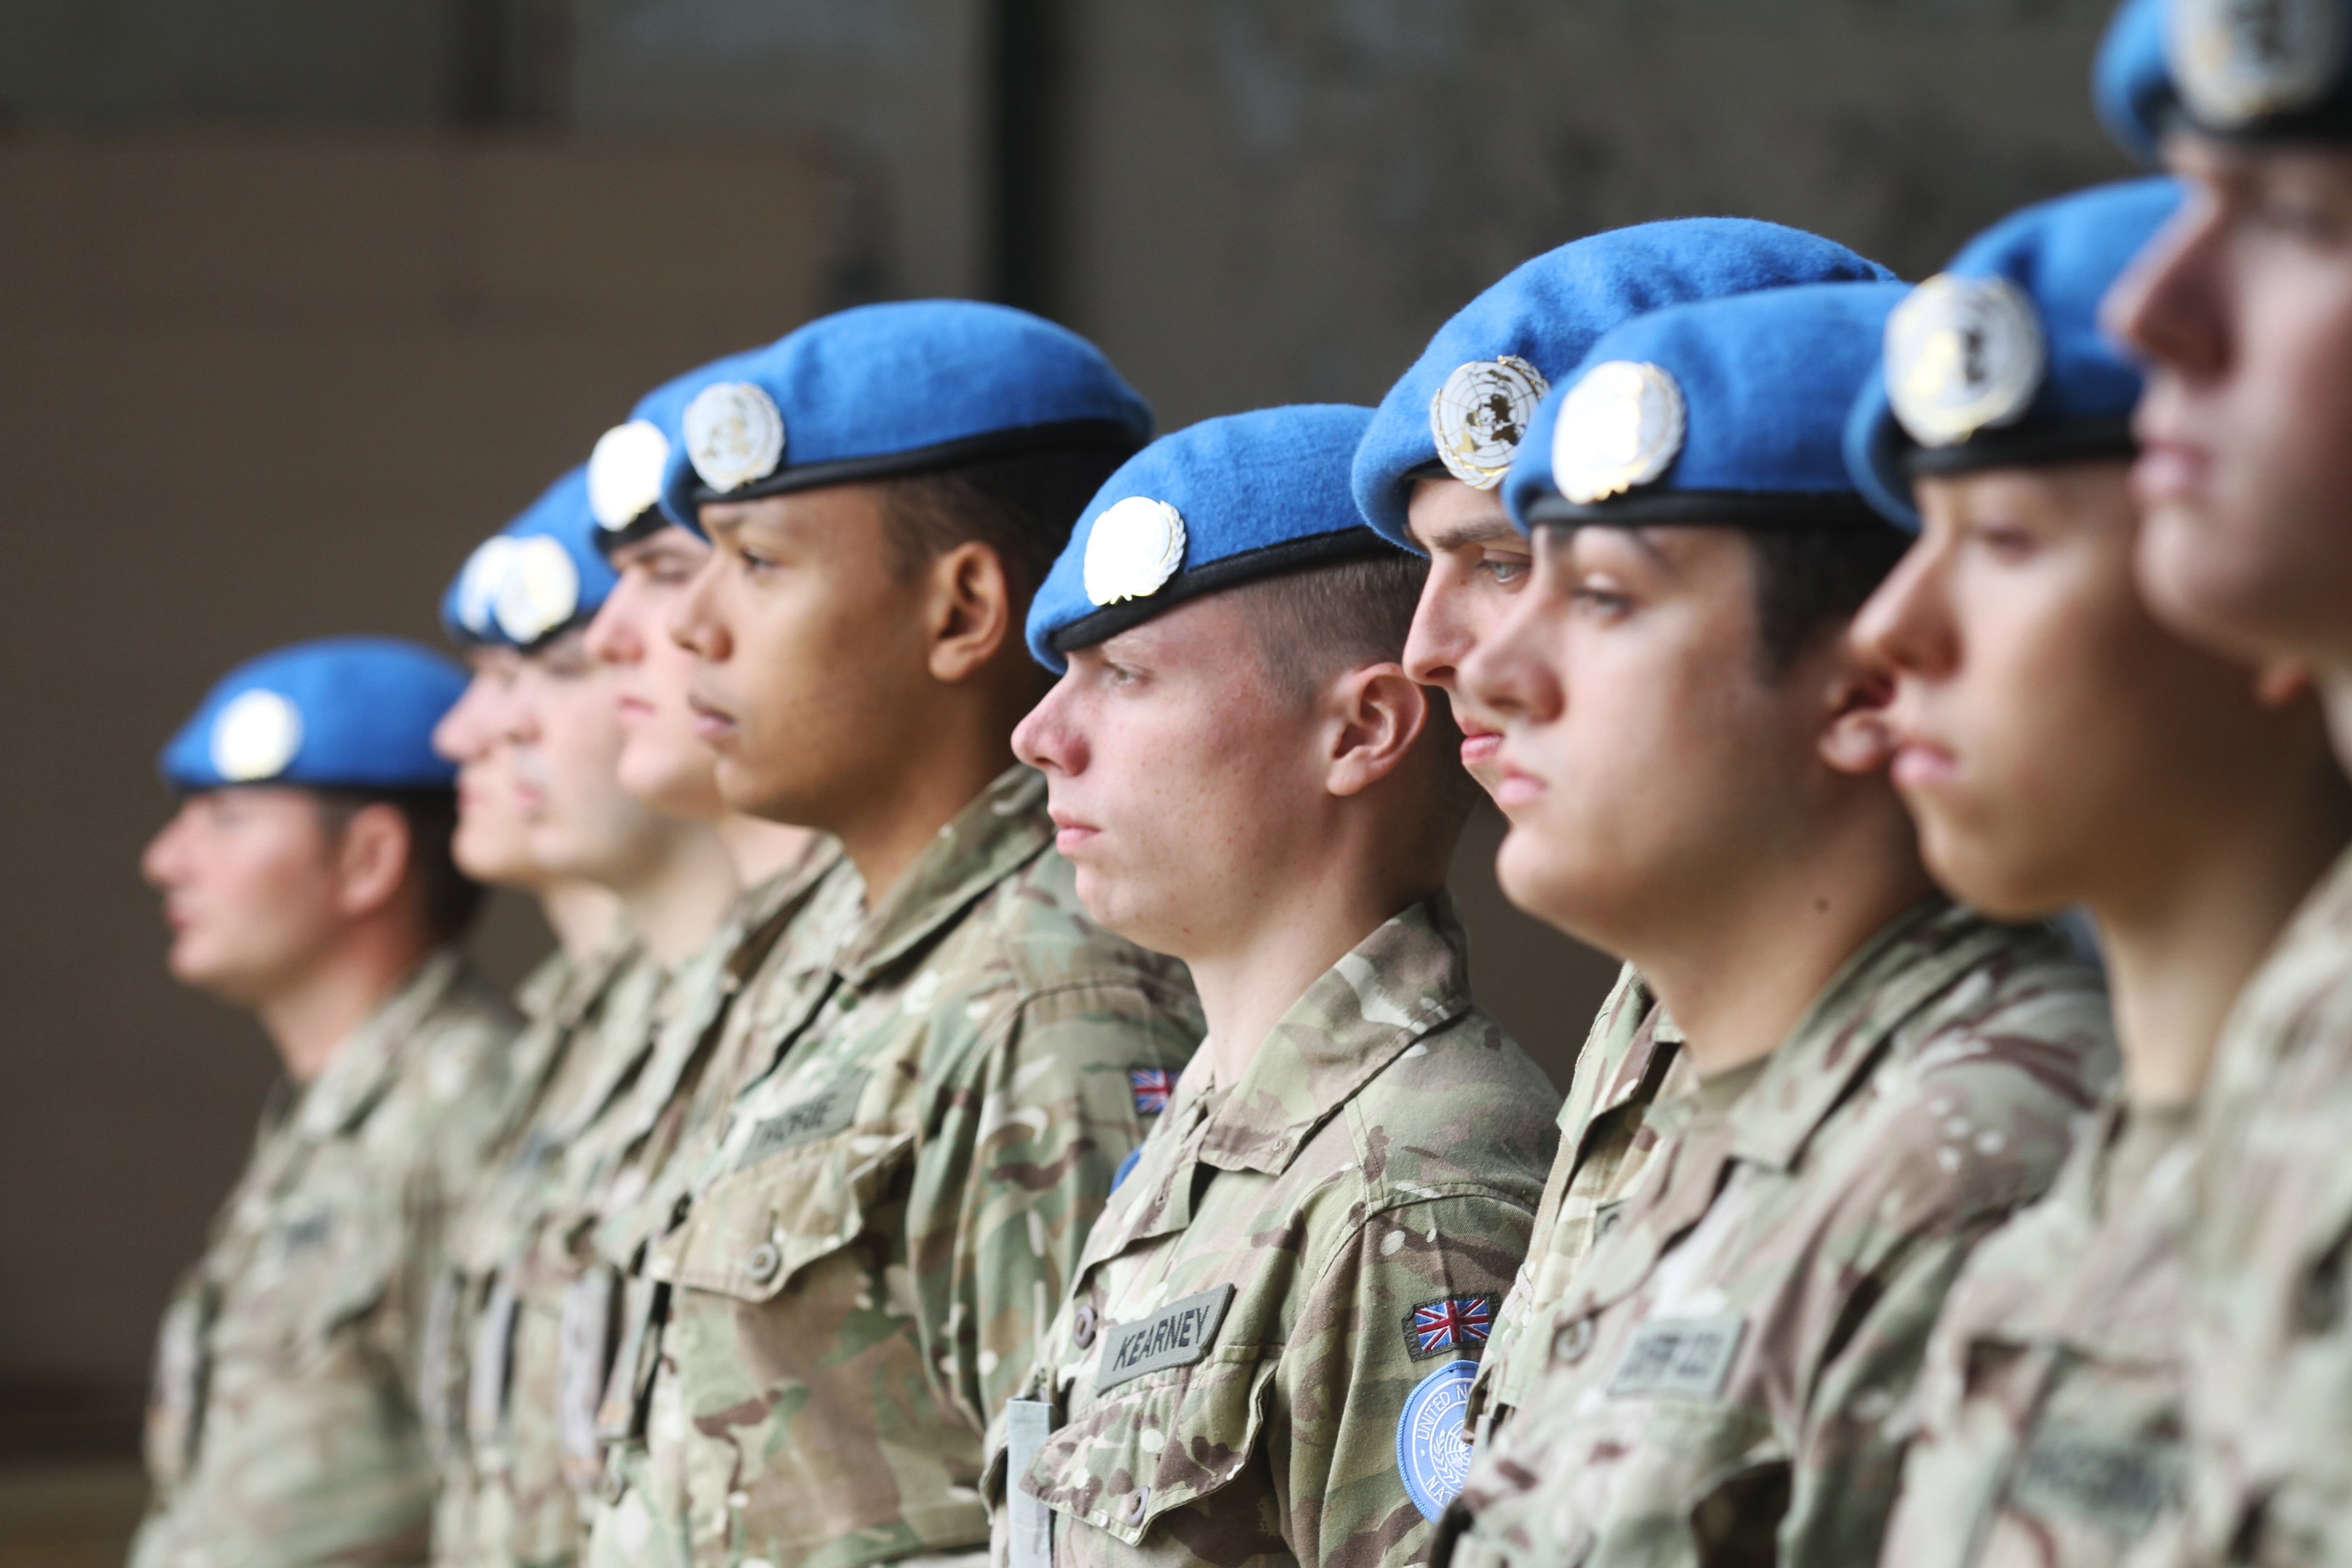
1022 506
1811 582
447 899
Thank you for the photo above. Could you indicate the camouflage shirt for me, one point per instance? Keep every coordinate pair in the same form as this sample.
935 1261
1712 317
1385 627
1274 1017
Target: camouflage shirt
1275 1322
861 1274
282 1431
2049 1430
504 1500
1727 1358
1632 1058
2269 1338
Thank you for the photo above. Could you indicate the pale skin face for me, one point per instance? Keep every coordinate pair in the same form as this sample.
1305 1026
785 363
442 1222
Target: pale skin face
1185 783
1646 754
563 727
2243 307
493 840
2056 745
259 895
662 761
1478 563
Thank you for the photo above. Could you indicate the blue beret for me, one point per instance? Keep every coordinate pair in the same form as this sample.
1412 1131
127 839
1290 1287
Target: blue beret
1726 411
904 388
1467 400
345 712
1217 504
536 578
631 460
2274 70
1999 358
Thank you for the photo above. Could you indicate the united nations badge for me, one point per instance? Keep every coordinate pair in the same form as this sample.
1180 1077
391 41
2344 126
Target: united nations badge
734 434
255 736
1621 425
1478 415
2239 60
538 591
478 583
1136 545
1432 1448
1963 354
624 472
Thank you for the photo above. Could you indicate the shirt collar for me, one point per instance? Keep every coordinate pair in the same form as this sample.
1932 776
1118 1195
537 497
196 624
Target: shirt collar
361 1069
1913 959
1000 829
1409 978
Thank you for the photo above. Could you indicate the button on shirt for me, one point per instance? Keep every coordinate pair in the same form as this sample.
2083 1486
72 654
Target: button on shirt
923 1162
1292 1259
1759 1311
2050 1426
283 1428
2269 1340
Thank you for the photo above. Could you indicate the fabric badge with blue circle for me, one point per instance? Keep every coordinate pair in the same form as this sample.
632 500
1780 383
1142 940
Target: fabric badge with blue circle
1433 1447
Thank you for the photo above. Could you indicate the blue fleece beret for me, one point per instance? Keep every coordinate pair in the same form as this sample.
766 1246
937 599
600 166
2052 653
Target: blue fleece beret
348 712
905 388
1219 503
631 460
1998 361
536 578
2272 71
1726 411
1466 401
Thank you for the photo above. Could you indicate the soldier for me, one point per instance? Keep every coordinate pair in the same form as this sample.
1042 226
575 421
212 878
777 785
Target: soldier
307 876
2188 810
1693 764
855 1278
2243 310
492 843
1426 478
505 1497
1264 1353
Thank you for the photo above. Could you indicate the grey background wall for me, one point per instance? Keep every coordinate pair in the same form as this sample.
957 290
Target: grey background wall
300 298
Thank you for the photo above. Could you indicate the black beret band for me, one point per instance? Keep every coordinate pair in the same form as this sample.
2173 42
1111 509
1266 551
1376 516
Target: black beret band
1266 561
1728 509
644 525
1069 435
2024 447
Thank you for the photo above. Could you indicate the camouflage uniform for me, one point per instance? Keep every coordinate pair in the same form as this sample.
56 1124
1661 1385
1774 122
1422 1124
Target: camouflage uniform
865 1262
2050 1403
538 1458
1273 1330
1632 1058
1728 1356
282 1430
2269 1342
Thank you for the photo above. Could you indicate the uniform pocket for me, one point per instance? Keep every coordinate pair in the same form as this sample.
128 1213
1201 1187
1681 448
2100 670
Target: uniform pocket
1154 1444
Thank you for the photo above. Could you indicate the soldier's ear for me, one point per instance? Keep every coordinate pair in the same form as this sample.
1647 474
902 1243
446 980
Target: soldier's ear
370 860
1375 714
1857 737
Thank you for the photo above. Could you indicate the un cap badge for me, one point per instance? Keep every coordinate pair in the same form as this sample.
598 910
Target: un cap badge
1134 547
1621 425
255 736
624 472
2238 60
478 583
1963 354
1478 415
537 590
734 434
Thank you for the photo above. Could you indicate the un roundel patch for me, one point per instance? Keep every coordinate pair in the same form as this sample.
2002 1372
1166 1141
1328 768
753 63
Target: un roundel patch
1432 1454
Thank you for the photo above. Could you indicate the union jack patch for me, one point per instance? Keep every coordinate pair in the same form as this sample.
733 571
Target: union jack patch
1456 1322
1152 1088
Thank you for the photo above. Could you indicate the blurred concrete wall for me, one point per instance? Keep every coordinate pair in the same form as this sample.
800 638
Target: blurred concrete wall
301 296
